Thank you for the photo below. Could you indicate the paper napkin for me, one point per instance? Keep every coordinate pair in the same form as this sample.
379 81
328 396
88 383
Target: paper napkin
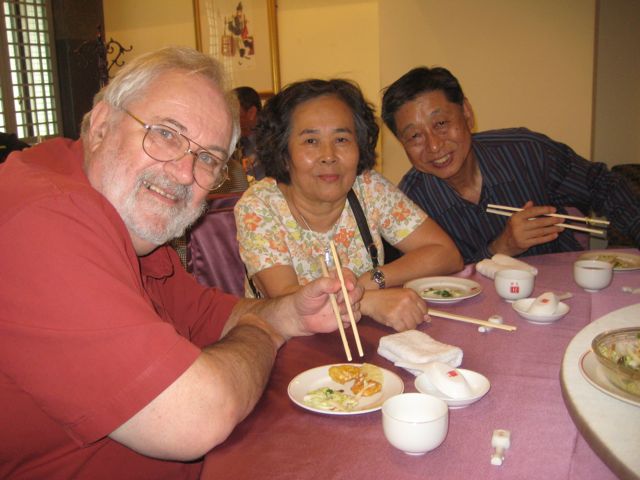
412 349
498 262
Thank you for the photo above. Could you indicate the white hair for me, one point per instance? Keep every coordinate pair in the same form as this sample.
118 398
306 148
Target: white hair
131 81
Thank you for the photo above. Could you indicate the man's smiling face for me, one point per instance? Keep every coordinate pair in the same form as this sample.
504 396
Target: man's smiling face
435 133
156 200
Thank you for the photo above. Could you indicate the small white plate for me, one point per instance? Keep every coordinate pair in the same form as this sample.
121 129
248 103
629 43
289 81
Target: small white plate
591 371
522 307
479 386
319 377
631 261
464 287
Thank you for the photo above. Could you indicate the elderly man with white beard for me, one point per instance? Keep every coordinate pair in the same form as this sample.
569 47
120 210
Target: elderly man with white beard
114 362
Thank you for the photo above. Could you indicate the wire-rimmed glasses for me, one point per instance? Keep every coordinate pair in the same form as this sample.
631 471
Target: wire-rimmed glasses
166 144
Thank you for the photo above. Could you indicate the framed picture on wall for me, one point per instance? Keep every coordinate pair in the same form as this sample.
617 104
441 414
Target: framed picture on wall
243 36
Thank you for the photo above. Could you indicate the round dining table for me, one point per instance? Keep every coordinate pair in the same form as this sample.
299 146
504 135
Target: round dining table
281 440
610 418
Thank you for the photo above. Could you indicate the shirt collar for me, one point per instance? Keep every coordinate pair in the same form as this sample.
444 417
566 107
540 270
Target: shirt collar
157 264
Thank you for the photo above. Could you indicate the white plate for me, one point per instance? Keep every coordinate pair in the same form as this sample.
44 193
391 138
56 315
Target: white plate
592 371
522 305
632 260
319 377
479 385
469 288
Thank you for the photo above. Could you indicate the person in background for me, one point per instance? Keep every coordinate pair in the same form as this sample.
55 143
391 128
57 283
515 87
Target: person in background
242 169
456 174
250 107
317 141
9 142
114 362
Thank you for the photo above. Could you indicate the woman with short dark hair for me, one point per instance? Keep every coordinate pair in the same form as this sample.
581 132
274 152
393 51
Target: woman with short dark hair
317 141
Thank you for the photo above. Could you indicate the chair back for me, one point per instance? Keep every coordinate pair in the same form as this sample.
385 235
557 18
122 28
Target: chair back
212 247
631 172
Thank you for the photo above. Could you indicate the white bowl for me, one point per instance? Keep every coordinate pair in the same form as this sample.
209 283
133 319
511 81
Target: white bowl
514 284
479 384
522 307
414 422
592 275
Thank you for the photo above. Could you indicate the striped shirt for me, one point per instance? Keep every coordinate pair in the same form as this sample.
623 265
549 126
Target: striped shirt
518 165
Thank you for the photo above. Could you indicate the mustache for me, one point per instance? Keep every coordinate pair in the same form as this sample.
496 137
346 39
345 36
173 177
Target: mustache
180 192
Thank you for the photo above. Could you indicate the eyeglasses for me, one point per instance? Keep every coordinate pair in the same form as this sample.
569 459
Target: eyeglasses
166 144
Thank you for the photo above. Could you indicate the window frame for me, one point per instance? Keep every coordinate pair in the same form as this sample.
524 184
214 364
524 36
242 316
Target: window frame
7 109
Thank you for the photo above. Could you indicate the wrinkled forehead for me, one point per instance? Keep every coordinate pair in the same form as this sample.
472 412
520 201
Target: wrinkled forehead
193 103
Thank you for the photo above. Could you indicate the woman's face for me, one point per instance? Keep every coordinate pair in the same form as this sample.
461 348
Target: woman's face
323 149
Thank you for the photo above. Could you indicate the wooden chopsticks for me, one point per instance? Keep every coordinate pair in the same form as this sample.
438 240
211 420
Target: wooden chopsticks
334 304
336 311
507 212
462 318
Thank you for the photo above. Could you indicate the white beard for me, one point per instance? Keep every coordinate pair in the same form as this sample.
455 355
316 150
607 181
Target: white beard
154 222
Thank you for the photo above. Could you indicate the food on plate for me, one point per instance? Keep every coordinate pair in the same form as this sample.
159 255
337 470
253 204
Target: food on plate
623 353
344 373
326 398
367 378
614 260
442 292
367 381
618 351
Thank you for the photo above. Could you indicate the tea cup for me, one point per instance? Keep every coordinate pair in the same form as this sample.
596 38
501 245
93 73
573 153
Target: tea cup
514 284
415 423
592 275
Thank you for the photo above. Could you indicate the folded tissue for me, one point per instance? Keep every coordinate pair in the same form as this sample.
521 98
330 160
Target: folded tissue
413 349
489 267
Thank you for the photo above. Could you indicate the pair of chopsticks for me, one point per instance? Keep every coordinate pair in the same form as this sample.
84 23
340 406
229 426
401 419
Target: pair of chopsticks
334 304
463 318
507 212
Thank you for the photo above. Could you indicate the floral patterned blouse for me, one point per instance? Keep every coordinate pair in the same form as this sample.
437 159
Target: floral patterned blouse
269 235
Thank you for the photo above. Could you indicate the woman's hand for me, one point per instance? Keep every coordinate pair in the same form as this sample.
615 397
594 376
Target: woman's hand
398 308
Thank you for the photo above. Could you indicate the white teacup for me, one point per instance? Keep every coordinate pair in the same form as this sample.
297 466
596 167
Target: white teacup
514 284
415 423
592 275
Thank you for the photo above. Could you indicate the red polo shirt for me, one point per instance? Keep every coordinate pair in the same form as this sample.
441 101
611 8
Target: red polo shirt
89 332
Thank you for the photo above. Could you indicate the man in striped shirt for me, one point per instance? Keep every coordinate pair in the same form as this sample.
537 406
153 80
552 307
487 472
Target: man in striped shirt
456 174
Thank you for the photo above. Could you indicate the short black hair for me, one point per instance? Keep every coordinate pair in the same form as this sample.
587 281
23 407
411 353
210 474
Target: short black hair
248 98
274 123
416 82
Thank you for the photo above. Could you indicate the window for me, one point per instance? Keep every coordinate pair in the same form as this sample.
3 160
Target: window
28 94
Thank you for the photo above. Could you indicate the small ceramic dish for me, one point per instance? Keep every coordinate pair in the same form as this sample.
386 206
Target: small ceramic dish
478 383
522 308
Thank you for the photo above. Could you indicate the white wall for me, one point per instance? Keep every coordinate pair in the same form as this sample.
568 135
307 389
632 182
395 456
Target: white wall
520 63
149 24
617 103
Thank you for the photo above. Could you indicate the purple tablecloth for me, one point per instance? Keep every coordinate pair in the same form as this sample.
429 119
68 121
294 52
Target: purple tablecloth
281 440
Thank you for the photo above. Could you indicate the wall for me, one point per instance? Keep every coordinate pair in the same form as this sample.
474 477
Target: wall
149 24
330 38
525 63
617 105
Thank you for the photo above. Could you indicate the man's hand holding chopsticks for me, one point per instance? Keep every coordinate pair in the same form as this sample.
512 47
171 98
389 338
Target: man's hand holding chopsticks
306 310
527 228
312 303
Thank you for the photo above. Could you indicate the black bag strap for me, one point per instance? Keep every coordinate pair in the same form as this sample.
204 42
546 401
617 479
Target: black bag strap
363 226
